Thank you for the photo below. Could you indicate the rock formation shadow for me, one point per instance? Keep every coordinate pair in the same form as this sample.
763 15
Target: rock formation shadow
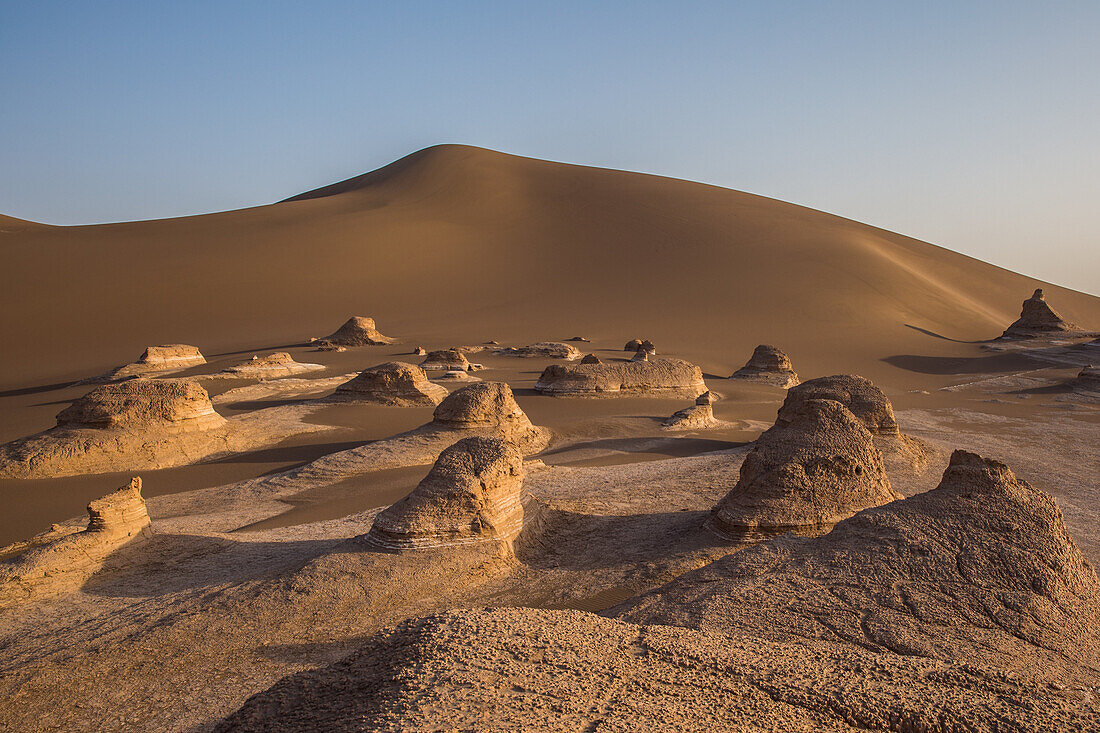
944 365
933 334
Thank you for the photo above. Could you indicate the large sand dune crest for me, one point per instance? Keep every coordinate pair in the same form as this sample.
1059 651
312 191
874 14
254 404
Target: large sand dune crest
501 243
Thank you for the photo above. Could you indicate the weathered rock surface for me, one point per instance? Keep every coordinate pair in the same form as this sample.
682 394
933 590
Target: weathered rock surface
1036 318
164 359
59 560
633 345
699 416
356 331
273 366
505 669
640 355
131 425
769 365
484 405
591 359
979 570
472 494
394 384
543 349
655 376
444 359
805 474
866 401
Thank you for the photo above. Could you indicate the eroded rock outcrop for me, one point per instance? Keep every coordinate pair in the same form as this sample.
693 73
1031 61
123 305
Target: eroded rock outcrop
164 359
472 494
62 559
356 331
544 350
806 473
394 384
650 377
444 359
768 365
633 345
131 425
484 405
273 366
591 359
979 570
699 416
1037 318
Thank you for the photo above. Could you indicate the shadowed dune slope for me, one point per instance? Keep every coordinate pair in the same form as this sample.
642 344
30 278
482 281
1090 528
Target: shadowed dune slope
507 247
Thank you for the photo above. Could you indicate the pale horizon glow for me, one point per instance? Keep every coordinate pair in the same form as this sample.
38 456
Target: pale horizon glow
971 125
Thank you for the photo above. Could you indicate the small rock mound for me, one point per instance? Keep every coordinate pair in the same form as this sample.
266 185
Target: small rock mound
394 384
591 359
278 364
483 405
770 366
633 345
806 473
866 401
543 349
653 376
472 494
699 416
640 355
357 331
444 359
178 405
1088 379
57 561
1036 318
162 359
580 339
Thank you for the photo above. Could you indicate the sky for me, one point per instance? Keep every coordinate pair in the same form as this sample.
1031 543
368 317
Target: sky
972 125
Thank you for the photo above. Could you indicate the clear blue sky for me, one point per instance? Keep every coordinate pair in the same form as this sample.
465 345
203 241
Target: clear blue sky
974 125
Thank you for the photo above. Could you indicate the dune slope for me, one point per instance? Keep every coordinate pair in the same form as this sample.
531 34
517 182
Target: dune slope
508 248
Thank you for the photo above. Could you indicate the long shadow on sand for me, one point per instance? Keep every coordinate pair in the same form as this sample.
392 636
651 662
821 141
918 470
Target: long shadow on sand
671 447
36 390
174 563
947 338
993 364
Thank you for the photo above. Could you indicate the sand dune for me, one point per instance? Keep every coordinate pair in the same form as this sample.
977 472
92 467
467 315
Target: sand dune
506 247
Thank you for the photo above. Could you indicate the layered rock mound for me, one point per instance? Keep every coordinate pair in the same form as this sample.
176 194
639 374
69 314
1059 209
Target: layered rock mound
1037 318
652 377
591 359
59 560
178 405
633 345
978 570
484 405
131 425
699 416
163 359
1088 379
273 366
445 359
357 331
512 669
394 384
472 494
806 473
768 365
544 350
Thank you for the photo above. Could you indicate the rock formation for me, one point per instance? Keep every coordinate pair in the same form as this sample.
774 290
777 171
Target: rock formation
1036 318
131 425
633 345
484 405
815 467
640 355
457 375
445 359
866 401
58 560
653 377
273 366
648 347
164 359
580 339
393 384
979 570
419 351
591 359
543 349
357 331
697 417
472 494
770 366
